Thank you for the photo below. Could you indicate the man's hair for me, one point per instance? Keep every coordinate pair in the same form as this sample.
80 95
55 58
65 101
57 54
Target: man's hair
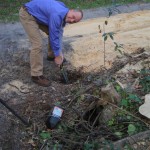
79 10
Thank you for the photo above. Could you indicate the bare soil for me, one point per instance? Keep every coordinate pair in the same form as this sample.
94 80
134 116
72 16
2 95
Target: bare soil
83 48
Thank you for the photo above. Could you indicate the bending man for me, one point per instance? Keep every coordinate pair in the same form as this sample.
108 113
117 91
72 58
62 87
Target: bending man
49 16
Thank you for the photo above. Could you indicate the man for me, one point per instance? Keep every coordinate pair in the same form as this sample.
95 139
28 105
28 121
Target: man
49 16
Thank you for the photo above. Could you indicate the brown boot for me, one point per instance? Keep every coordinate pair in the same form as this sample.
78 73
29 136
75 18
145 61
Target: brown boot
41 80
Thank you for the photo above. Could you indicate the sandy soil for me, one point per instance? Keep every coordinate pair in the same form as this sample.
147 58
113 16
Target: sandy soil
132 30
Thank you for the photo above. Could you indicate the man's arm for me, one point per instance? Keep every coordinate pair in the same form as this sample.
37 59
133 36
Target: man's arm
56 33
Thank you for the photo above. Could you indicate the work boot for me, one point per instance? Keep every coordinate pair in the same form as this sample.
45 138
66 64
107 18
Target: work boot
41 80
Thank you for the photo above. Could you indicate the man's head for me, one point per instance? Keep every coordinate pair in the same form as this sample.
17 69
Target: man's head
74 16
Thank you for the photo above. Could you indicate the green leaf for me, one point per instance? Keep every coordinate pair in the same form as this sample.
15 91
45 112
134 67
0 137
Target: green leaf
124 102
127 147
134 98
131 129
105 38
82 97
116 44
129 117
111 122
111 36
111 33
104 34
88 146
57 103
119 51
119 134
45 135
147 78
110 144
118 88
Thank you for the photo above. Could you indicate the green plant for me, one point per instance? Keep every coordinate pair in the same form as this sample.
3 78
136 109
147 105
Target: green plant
108 144
9 8
123 125
127 147
131 129
118 47
145 80
125 122
105 36
56 146
129 101
91 146
45 135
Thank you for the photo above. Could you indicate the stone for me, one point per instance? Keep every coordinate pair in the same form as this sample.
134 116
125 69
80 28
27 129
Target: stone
145 108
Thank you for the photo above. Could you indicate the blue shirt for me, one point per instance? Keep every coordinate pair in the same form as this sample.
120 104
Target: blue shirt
51 13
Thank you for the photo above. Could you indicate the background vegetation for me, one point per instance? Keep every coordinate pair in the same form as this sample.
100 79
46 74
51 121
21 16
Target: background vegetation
9 8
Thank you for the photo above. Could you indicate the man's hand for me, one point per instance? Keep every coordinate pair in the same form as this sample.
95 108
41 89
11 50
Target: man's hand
59 60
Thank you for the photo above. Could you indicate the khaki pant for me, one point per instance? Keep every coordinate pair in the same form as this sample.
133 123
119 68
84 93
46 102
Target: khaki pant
32 28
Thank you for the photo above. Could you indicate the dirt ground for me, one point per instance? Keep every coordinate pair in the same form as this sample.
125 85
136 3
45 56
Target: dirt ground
83 49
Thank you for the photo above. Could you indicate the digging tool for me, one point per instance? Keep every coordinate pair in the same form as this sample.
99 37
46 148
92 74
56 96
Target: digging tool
25 122
64 73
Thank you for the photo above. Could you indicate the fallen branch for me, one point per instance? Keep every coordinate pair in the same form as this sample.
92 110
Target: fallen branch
68 140
132 139
128 59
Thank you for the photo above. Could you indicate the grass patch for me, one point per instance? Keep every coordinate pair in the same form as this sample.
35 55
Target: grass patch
9 8
87 4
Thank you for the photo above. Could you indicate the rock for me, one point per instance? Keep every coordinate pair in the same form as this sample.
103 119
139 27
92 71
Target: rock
145 108
109 94
107 113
